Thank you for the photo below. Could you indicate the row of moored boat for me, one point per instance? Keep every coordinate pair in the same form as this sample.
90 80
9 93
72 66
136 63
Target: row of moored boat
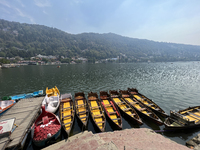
111 105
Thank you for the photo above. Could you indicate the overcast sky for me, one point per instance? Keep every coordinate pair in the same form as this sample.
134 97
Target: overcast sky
176 21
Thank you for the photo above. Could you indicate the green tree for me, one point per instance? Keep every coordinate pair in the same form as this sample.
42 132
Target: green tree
4 61
2 54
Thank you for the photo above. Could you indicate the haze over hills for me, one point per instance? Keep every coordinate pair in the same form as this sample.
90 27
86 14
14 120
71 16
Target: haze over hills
28 40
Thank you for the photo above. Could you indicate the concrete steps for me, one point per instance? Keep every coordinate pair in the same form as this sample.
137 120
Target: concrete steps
141 138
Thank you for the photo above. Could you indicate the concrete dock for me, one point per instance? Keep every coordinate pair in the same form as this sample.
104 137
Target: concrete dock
25 112
128 139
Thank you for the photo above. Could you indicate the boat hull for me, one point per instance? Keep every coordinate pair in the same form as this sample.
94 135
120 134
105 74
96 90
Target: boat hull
131 114
48 140
140 107
81 107
96 111
183 119
147 102
67 112
111 111
23 96
46 128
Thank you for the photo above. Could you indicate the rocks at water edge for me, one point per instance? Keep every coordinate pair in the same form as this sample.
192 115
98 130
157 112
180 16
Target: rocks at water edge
194 143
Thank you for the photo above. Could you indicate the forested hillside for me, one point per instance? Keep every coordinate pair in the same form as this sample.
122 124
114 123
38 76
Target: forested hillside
26 40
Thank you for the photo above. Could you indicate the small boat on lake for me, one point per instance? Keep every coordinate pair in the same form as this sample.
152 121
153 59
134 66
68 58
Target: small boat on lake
81 107
183 119
111 110
51 100
67 112
23 96
96 111
141 108
124 107
46 128
5 105
147 102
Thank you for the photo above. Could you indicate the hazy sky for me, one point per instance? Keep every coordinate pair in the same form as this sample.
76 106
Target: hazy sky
176 21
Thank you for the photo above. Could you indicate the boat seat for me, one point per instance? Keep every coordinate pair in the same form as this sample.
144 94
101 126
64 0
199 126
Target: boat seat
149 113
114 96
95 107
120 103
141 109
133 114
100 115
125 95
92 98
81 105
133 103
82 112
79 98
117 119
67 116
67 108
54 103
151 104
157 109
126 109
83 117
67 123
107 105
100 122
66 100
45 120
104 97
112 112
193 114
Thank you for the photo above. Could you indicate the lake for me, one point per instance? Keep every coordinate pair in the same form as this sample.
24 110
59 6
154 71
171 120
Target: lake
172 86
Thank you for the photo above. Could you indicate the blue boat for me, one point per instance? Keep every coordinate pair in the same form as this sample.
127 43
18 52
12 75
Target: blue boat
23 96
17 97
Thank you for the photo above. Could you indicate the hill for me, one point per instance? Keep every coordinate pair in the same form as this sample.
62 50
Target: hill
27 40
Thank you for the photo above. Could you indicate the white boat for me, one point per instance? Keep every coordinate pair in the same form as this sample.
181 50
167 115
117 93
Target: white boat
51 103
51 100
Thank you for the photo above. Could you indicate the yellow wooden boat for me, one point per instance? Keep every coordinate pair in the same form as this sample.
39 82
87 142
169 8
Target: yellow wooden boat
67 112
96 111
111 110
148 102
124 107
81 107
141 108
183 119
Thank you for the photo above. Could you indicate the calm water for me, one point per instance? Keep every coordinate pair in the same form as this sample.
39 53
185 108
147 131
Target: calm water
172 86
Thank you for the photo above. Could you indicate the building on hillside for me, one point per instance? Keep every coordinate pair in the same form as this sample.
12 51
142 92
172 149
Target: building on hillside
84 60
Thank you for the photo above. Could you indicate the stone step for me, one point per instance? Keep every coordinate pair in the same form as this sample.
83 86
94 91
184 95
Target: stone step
140 138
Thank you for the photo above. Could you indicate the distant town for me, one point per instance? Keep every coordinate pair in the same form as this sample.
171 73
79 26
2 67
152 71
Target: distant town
47 60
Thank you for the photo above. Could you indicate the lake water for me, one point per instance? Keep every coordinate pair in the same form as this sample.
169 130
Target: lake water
172 86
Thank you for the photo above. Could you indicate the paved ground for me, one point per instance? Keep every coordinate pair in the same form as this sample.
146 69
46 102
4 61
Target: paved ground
128 139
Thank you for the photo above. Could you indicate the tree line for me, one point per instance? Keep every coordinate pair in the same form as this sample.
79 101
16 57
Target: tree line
28 40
